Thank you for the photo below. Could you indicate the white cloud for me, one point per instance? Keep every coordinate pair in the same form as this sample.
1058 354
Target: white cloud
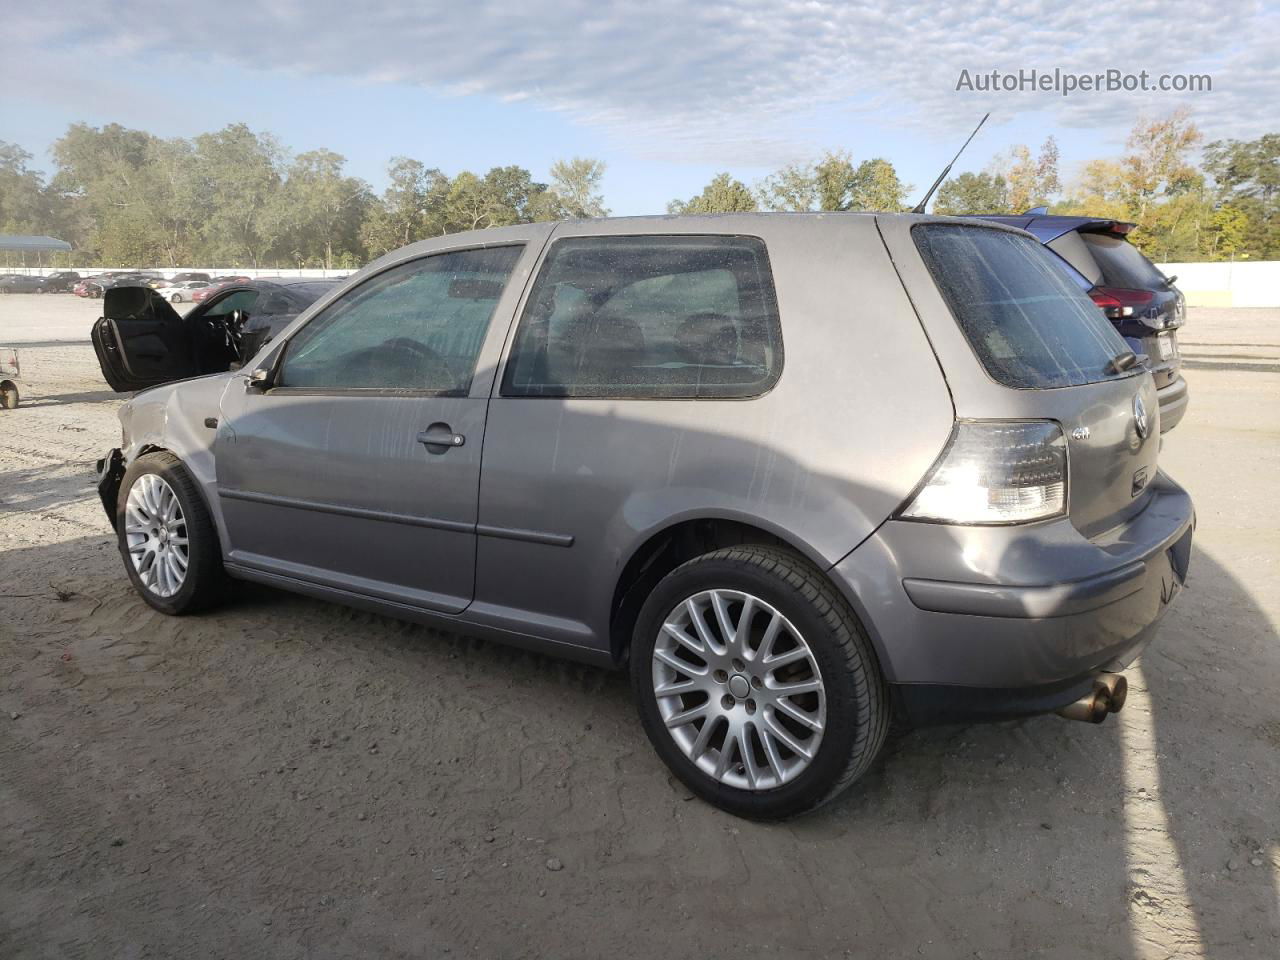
723 80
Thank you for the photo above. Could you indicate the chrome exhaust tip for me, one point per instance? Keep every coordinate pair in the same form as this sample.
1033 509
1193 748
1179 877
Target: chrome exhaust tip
1117 690
1093 707
1107 696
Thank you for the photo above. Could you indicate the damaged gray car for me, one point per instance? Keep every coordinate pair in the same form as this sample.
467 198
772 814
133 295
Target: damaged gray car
799 473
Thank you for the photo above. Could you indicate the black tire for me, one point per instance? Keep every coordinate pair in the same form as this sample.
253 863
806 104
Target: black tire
176 298
857 699
205 582
8 395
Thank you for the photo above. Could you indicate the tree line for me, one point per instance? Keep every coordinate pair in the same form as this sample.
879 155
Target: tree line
234 197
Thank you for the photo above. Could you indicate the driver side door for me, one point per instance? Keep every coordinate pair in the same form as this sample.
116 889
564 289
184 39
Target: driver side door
140 340
356 466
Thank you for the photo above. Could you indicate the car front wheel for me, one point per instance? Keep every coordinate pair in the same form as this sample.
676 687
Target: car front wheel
166 536
756 683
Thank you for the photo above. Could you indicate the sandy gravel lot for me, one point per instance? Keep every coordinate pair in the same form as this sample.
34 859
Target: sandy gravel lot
286 778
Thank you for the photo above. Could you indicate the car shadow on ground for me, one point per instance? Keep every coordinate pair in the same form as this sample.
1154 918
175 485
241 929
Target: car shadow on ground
35 489
87 396
1037 837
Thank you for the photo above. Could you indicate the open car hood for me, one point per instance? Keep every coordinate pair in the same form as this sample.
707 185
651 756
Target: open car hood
136 303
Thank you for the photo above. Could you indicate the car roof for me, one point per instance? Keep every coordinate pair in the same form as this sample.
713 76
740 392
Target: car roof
294 281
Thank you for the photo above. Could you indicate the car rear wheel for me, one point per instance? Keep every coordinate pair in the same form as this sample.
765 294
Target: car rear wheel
8 395
166 536
756 684
176 298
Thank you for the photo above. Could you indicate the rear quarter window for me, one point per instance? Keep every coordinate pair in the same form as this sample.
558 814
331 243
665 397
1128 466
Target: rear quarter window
649 317
1029 323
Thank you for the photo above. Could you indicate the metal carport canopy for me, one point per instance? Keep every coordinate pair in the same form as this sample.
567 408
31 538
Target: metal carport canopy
19 242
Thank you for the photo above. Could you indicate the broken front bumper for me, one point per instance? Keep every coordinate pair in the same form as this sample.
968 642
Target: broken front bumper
110 473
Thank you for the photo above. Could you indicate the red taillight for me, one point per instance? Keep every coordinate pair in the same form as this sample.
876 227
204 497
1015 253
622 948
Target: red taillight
1120 302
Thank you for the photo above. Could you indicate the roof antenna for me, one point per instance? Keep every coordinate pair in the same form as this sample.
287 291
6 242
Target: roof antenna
919 207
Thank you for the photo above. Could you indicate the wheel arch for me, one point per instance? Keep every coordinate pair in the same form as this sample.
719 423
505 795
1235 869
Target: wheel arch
679 540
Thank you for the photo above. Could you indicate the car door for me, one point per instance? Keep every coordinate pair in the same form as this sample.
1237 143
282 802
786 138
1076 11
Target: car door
140 340
356 465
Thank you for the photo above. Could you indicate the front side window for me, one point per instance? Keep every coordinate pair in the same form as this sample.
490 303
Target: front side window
1029 324
417 326
649 317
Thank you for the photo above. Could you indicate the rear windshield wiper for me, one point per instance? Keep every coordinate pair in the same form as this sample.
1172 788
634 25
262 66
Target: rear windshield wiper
1122 362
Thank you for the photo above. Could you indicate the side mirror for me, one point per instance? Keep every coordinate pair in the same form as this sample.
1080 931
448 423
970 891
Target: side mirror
259 379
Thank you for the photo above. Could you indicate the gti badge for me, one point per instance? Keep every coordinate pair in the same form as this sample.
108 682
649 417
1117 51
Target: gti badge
1080 433
1140 421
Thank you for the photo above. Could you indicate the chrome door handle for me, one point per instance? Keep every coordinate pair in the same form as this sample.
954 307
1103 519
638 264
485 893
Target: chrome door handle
440 437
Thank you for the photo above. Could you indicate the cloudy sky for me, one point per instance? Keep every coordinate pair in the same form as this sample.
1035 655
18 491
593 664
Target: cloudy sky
667 92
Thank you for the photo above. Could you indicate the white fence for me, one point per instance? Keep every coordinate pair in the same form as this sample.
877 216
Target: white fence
1235 284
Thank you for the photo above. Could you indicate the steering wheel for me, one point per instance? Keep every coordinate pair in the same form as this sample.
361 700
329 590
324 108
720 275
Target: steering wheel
434 369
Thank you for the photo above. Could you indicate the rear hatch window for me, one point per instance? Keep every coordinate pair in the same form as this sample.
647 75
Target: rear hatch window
1029 323
1123 264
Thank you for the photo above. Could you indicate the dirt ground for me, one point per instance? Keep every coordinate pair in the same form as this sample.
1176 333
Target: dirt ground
285 778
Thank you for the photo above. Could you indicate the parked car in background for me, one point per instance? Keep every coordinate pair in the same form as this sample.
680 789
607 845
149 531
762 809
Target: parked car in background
227 328
21 283
800 472
1140 301
94 287
218 283
181 290
61 281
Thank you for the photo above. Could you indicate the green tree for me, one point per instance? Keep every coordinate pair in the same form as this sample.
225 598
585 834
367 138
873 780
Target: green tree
1157 163
723 194
470 204
1029 181
410 209
24 204
240 171
576 184
972 193
1246 174
110 172
325 209
875 186
793 187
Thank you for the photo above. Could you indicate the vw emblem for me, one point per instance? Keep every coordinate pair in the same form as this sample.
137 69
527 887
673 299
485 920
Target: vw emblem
1140 421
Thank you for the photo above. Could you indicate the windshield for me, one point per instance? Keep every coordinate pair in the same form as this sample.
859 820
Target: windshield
1031 326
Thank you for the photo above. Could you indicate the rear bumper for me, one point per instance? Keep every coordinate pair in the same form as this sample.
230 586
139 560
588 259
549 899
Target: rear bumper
973 622
1173 400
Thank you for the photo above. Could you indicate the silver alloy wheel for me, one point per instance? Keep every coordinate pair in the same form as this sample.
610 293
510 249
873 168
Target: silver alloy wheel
738 689
156 533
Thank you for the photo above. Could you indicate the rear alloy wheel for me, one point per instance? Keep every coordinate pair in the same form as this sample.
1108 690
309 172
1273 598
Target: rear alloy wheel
727 703
176 298
756 684
166 537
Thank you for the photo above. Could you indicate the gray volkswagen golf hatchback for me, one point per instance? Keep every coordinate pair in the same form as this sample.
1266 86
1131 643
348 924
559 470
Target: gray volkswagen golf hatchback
803 473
